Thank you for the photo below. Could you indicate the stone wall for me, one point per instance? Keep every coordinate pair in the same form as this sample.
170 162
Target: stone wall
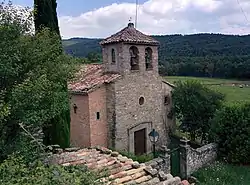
111 115
85 128
79 126
130 115
122 55
159 164
162 163
193 159
197 158
98 126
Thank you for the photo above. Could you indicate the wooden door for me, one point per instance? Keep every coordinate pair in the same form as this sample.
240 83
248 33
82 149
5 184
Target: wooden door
140 142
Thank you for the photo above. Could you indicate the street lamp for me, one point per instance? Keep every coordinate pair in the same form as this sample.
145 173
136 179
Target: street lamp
153 137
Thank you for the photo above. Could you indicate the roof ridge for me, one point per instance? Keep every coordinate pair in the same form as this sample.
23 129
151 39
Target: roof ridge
131 35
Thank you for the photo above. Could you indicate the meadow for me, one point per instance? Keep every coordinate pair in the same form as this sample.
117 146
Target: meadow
235 91
223 174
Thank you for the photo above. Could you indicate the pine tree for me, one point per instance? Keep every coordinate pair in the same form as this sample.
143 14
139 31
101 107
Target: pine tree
58 131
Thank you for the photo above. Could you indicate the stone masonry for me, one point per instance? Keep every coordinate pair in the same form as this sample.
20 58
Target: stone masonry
194 159
162 163
125 115
114 89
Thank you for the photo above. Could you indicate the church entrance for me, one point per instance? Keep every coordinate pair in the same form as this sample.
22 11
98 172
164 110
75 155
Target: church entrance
140 142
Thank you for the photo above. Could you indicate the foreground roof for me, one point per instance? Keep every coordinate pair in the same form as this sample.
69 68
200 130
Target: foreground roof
130 35
120 169
89 77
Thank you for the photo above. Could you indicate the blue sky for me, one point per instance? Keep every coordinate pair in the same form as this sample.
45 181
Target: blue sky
101 18
75 7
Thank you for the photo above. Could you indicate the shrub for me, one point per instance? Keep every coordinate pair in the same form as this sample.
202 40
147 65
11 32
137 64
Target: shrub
231 130
15 170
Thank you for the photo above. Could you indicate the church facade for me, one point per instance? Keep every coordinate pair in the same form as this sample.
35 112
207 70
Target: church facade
117 103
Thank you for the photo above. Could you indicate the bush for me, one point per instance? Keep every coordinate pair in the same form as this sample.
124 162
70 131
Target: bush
15 170
195 105
231 130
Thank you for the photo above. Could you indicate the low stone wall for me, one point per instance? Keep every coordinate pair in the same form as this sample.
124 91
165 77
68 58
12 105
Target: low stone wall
193 159
160 164
200 157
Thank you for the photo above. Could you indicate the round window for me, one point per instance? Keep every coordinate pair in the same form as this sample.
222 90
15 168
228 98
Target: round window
141 100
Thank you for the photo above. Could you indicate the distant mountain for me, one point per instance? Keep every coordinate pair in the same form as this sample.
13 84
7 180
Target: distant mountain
81 47
196 55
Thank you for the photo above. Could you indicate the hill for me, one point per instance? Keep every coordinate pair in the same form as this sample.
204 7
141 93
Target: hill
81 47
205 55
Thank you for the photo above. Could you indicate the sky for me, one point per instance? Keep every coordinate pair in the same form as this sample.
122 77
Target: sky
101 18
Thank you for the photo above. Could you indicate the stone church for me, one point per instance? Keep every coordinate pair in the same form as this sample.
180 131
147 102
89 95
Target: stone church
117 103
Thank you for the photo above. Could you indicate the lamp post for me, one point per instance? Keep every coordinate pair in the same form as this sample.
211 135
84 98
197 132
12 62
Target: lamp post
153 137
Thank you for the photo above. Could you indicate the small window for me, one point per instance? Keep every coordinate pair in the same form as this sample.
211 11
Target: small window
75 108
98 115
141 100
166 100
113 56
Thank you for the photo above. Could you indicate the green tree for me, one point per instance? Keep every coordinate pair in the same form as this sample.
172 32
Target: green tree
33 73
195 105
45 15
231 130
94 58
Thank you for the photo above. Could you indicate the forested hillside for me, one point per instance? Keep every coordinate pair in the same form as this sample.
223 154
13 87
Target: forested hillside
213 55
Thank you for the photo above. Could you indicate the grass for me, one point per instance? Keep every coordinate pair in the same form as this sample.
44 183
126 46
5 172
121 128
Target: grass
234 94
223 174
173 79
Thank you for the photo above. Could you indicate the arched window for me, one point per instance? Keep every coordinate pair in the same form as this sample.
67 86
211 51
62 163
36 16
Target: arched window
134 58
148 58
113 56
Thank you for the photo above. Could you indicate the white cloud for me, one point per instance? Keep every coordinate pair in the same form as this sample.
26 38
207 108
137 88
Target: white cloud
161 17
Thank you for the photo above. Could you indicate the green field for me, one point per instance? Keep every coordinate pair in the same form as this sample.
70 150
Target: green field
224 174
231 88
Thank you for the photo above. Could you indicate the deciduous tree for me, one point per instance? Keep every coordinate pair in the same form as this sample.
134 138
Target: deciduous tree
33 73
195 105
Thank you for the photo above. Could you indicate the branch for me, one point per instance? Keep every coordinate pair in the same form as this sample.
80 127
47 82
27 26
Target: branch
27 132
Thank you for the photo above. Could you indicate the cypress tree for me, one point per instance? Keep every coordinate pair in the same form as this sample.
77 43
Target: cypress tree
58 131
46 15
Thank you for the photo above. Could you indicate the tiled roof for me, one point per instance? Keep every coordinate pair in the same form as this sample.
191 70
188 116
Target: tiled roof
120 169
130 35
89 77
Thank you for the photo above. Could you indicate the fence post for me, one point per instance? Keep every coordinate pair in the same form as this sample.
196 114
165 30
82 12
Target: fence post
166 158
184 158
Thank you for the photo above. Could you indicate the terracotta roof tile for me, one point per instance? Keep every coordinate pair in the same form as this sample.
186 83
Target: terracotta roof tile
120 170
89 77
130 35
